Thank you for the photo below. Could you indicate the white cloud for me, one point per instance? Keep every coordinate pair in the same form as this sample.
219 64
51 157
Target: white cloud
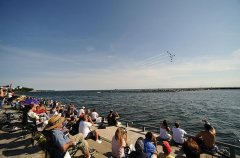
199 72
33 55
236 53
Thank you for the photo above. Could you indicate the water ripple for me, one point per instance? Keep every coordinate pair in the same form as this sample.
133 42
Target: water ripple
220 107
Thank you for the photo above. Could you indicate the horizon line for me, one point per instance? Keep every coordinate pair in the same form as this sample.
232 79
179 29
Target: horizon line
136 89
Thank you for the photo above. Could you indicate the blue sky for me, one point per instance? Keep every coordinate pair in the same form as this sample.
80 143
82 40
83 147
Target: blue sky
110 44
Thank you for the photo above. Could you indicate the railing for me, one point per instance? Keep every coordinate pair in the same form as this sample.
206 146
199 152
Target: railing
232 148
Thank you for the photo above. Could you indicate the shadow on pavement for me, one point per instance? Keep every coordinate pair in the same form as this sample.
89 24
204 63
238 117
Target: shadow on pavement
108 154
23 143
8 136
14 152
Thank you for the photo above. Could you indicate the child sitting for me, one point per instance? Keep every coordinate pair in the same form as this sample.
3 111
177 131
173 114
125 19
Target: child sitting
167 150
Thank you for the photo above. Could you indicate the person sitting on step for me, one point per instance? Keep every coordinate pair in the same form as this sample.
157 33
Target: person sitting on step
166 150
150 145
112 118
191 148
119 142
206 139
178 134
139 148
164 129
84 128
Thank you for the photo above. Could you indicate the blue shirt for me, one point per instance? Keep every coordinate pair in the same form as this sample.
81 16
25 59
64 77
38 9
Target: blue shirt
59 139
149 148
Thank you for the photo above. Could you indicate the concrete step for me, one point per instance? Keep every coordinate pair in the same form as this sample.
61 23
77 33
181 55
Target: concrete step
103 150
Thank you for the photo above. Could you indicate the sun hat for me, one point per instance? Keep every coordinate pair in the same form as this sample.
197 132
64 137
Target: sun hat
54 122
83 107
166 147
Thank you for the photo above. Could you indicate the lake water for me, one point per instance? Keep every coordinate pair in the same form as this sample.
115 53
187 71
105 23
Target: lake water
220 107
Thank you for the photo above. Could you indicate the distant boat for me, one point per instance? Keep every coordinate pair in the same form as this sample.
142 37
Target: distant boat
99 92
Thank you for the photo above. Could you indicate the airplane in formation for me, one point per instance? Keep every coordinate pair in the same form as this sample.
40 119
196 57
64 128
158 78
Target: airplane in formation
171 56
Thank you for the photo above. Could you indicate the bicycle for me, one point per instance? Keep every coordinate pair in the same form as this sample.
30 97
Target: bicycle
3 119
8 125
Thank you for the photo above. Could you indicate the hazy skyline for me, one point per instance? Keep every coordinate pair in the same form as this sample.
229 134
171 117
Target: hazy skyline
84 45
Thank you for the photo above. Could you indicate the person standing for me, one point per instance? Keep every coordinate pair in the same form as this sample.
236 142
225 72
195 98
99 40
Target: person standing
2 99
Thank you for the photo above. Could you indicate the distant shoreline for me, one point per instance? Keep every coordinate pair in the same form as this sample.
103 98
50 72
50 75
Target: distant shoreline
147 90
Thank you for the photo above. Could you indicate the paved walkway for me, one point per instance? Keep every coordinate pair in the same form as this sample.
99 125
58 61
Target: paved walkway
12 145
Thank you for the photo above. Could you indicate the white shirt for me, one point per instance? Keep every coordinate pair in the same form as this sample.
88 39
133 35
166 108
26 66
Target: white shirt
178 135
164 134
94 115
33 115
84 128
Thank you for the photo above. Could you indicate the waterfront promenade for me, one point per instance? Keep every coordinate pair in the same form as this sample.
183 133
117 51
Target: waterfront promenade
15 146
12 145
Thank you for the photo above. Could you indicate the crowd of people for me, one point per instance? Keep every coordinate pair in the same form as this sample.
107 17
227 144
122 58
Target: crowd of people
56 121
6 95
193 146
80 122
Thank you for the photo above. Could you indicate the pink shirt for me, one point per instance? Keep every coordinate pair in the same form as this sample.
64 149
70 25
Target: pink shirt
117 150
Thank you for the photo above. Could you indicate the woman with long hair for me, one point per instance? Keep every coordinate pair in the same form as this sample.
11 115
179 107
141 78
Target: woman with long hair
119 141
164 129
